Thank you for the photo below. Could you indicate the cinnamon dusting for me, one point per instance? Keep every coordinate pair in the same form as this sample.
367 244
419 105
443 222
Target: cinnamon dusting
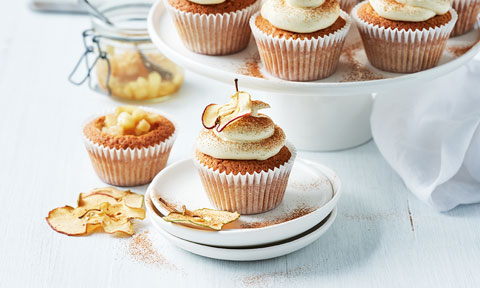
460 50
251 68
357 72
315 185
141 250
264 280
296 213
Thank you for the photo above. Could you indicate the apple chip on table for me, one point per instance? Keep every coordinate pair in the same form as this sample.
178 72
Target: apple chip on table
107 208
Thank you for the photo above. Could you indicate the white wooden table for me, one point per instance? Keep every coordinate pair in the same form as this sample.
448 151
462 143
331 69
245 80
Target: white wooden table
383 236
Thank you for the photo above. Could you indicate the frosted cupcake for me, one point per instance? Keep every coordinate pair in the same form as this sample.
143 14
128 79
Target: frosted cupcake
243 158
404 38
129 146
300 40
467 15
213 27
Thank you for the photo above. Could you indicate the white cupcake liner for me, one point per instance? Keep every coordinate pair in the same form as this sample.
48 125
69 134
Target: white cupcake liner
403 51
467 11
214 34
129 167
251 193
300 59
347 5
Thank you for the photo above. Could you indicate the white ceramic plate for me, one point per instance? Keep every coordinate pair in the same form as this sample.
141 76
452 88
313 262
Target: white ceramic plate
226 68
312 192
245 254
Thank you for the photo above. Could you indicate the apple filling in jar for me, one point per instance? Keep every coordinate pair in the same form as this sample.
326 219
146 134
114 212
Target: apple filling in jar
137 74
122 57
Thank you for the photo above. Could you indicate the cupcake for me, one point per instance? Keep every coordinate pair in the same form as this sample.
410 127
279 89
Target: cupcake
404 38
213 27
242 157
130 146
300 40
467 15
347 5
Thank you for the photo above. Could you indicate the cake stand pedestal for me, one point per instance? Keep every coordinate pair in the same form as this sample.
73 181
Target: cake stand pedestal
322 123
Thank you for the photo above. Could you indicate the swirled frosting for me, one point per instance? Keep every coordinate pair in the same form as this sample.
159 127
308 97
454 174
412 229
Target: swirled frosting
252 137
301 16
207 2
410 10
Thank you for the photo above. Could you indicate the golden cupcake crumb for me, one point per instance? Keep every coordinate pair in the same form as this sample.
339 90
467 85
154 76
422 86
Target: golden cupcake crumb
244 166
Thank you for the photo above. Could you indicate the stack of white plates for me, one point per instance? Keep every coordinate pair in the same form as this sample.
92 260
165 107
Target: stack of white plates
306 213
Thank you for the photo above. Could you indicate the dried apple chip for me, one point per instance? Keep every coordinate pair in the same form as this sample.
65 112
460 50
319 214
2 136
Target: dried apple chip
205 218
72 221
107 208
114 226
122 211
240 105
110 195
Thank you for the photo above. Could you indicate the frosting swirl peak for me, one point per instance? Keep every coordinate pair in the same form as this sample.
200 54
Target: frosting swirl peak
301 16
410 10
305 3
207 2
244 135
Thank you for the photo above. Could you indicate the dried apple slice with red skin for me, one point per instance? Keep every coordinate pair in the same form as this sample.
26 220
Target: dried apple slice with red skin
210 116
227 121
220 116
243 108
70 221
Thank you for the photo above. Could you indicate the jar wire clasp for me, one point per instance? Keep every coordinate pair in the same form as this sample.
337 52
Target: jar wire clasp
90 41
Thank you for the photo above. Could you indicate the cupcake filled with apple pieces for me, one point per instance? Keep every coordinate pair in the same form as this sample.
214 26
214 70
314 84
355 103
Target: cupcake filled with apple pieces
129 146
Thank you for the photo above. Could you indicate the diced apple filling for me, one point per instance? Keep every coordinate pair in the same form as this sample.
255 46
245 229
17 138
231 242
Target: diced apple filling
130 79
129 120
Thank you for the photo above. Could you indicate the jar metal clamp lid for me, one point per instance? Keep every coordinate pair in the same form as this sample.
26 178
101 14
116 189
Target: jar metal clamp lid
128 26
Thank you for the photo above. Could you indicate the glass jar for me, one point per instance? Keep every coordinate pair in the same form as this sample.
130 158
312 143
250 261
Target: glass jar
126 64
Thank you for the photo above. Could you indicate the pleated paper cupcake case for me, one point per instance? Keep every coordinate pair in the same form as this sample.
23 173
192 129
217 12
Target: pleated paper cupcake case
214 34
468 12
250 193
297 59
403 51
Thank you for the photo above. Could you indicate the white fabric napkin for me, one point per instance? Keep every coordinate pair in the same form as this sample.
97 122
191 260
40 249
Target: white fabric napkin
430 135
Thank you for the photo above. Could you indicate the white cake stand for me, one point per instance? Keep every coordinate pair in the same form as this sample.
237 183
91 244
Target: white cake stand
329 114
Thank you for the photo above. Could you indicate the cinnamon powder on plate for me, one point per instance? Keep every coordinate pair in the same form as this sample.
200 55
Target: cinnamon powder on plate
296 213
460 50
357 72
251 68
